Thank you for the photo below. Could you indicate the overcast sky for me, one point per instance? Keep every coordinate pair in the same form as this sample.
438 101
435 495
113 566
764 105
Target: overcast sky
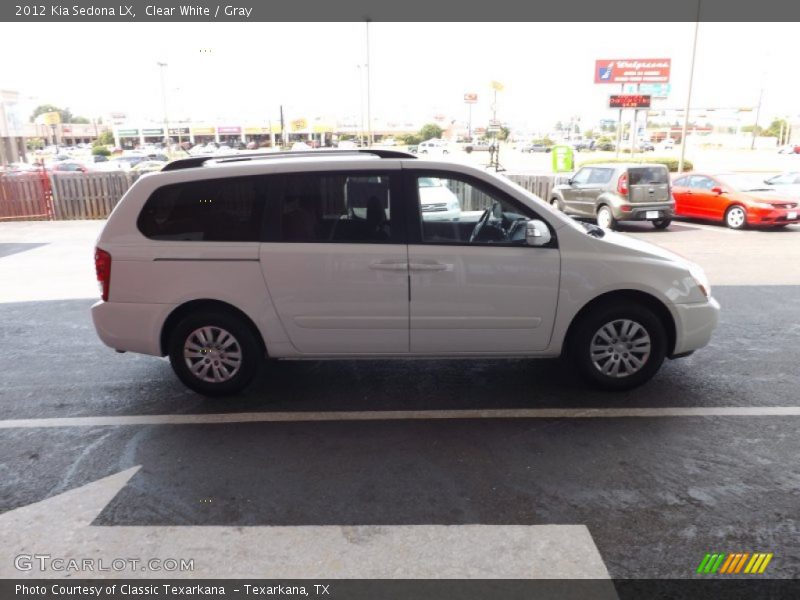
235 72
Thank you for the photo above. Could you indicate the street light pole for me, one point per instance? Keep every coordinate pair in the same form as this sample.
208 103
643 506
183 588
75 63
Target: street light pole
689 94
163 66
361 105
369 92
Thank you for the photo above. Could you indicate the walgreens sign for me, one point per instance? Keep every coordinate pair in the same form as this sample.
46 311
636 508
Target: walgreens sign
632 70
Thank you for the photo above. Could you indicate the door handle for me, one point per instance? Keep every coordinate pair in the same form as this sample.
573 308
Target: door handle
388 266
435 266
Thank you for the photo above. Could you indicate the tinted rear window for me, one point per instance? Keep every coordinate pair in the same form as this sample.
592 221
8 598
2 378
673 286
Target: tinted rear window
217 210
647 175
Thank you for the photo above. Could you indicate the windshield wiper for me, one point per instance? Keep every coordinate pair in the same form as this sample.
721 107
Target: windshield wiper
593 229
761 190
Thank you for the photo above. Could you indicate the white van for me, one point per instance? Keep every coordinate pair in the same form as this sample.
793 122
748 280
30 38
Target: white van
435 147
220 262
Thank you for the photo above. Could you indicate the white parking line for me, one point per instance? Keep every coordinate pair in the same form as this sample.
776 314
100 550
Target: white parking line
404 415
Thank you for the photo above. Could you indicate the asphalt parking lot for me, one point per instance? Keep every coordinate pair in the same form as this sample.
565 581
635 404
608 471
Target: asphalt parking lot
403 468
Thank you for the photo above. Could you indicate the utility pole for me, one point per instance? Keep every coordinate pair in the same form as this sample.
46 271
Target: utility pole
758 114
689 94
163 66
369 91
283 135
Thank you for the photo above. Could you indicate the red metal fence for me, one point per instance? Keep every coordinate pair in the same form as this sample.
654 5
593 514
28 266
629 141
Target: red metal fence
26 196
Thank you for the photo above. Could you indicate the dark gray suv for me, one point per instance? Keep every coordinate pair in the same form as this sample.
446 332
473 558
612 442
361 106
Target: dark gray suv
615 192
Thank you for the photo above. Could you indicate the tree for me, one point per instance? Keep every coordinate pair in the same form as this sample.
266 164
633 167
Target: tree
777 127
104 139
429 131
503 133
65 113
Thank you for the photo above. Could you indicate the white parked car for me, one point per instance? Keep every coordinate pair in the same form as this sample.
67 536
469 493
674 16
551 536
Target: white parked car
221 262
435 147
436 201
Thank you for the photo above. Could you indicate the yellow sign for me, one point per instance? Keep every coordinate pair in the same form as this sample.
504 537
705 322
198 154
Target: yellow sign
202 131
497 86
299 124
51 118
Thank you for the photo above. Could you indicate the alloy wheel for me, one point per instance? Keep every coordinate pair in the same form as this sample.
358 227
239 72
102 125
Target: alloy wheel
620 348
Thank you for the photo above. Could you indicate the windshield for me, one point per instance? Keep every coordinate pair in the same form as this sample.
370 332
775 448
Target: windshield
745 182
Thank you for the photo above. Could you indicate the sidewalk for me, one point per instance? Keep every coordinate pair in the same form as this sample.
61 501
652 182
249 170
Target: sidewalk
58 264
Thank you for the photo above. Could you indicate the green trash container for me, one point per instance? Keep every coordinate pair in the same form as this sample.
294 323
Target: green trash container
563 159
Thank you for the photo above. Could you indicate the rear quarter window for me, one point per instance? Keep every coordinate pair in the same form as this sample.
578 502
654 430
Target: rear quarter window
217 210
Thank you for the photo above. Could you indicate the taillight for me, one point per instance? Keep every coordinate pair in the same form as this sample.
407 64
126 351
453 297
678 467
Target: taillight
102 264
622 184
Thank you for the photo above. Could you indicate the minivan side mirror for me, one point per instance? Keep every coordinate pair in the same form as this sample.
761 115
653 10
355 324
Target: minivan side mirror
717 190
537 233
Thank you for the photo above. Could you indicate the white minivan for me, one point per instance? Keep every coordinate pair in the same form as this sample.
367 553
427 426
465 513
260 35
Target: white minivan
221 262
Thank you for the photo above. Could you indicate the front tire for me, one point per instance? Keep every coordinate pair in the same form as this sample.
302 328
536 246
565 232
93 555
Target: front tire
605 218
215 353
736 217
618 346
556 204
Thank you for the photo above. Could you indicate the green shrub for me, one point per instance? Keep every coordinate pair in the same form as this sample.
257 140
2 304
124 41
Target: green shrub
100 151
670 163
411 139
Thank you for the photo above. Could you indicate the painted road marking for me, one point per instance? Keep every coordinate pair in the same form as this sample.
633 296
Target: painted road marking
301 552
404 415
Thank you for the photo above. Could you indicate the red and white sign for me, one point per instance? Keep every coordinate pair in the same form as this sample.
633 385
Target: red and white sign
470 98
632 70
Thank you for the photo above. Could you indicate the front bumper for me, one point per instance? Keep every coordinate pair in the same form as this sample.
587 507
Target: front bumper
779 216
694 324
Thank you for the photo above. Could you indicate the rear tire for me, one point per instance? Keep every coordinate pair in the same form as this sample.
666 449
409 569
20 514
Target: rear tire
215 353
605 218
661 223
618 346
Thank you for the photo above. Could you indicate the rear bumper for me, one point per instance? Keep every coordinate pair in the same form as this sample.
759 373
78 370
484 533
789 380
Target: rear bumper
639 213
131 327
694 324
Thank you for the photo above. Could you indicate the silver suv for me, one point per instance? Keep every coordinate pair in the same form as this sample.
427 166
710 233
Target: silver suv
618 192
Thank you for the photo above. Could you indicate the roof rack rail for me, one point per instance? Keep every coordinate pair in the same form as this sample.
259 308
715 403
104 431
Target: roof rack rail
199 161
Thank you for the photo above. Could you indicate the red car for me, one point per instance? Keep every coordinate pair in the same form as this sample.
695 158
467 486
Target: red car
69 166
737 199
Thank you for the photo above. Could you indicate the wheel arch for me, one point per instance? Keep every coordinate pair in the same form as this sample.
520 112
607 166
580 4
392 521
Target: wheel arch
627 295
179 312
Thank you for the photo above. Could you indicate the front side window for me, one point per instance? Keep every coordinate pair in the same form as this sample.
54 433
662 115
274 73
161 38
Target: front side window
701 182
460 211
582 176
335 207
216 210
